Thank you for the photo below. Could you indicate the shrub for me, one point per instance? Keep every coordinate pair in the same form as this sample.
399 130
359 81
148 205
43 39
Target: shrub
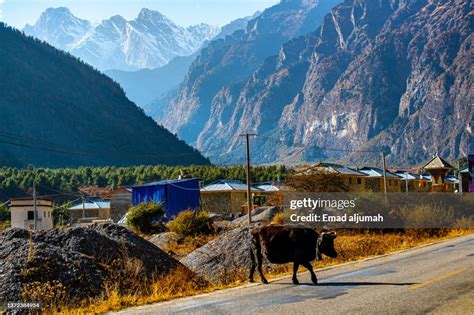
190 223
5 225
142 216
283 217
428 216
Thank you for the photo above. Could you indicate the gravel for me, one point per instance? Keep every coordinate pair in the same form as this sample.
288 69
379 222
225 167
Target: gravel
79 258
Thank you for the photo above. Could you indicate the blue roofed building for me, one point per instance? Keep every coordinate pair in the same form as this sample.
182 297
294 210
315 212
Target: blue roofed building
175 195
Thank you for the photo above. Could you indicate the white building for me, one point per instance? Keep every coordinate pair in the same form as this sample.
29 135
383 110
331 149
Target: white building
23 215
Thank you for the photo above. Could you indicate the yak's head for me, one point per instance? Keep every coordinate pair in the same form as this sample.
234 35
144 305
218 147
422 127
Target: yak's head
326 244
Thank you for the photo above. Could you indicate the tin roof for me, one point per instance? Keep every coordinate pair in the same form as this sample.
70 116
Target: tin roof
267 187
92 204
227 185
166 182
450 179
376 172
339 169
407 175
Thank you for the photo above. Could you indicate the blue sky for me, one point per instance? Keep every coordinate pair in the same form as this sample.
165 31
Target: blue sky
184 12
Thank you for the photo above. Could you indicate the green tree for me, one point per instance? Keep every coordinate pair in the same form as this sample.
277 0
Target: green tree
4 213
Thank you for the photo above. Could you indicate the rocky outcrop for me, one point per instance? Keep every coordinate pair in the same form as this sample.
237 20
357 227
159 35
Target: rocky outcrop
225 259
79 259
164 240
261 214
390 75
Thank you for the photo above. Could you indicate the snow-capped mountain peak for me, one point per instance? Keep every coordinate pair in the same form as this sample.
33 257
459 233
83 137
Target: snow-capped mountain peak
59 27
150 40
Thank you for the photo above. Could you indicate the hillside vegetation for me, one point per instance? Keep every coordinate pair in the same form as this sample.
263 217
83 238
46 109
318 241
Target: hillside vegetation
56 111
16 182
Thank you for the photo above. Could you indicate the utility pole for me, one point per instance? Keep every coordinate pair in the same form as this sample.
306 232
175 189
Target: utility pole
249 196
406 182
384 174
83 207
459 177
35 213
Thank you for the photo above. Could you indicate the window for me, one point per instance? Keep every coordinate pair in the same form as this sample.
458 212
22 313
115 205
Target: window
44 214
350 180
31 215
359 181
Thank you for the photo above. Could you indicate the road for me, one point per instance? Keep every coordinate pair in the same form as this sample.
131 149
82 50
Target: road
437 279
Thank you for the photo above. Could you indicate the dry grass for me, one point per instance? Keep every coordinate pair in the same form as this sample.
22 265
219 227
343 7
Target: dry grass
181 282
178 283
187 245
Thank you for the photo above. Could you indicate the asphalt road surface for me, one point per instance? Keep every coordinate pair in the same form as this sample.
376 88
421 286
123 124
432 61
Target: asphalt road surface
437 278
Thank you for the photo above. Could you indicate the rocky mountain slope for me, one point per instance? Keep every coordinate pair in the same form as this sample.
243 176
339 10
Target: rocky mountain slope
233 58
149 41
391 74
56 111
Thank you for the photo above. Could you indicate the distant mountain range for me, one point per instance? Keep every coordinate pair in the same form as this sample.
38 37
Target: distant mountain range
150 41
56 111
340 84
146 85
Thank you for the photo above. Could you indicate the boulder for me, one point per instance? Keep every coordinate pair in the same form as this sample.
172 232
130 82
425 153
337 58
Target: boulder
81 259
164 240
260 214
224 259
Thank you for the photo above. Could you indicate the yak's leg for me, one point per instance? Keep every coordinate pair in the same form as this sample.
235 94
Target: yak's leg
260 262
295 271
253 265
308 266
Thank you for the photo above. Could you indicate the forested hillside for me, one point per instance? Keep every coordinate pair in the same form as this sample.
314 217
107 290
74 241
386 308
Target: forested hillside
16 182
56 111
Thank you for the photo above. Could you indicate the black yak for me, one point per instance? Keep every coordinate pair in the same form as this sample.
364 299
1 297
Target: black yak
284 244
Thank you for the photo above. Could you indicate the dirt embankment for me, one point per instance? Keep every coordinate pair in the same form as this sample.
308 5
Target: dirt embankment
74 261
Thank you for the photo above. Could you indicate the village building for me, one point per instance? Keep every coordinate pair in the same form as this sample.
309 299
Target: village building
410 182
120 203
438 168
375 180
353 179
89 211
22 211
228 197
268 187
174 195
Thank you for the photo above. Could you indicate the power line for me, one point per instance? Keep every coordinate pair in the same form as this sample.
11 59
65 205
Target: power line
55 148
60 192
